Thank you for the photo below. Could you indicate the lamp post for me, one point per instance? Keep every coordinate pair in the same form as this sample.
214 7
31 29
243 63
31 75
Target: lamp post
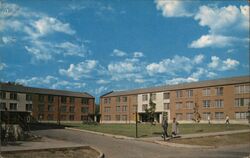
136 123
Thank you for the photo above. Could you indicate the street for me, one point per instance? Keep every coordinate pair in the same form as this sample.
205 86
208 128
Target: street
122 148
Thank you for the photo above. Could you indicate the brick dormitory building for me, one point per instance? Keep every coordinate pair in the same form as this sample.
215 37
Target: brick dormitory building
214 98
47 104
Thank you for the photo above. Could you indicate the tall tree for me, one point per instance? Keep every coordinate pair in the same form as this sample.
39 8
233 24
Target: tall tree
150 111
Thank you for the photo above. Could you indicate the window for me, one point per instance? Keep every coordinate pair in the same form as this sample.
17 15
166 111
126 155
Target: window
144 97
117 117
206 92
124 108
28 107
84 109
41 98
107 109
241 115
13 96
178 105
219 103
178 116
144 107
189 93
124 117
72 100
190 116
3 106
206 103
84 118
190 104
124 99
117 108
28 97
41 107
219 115
50 117
107 100
63 108
239 102
71 109
50 98
219 91
71 117
50 108
107 117
153 96
166 106
179 94
63 99
85 101
166 95
205 115
118 99
13 106
2 95
242 89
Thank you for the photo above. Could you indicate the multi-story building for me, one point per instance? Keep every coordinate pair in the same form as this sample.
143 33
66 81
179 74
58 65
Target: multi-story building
213 98
47 104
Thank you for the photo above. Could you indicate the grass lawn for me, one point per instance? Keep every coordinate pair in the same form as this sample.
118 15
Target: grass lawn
230 139
147 130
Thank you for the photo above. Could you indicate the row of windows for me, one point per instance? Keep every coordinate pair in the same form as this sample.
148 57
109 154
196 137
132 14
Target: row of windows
117 117
41 98
153 96
12 106
118 100
52 117
118 109
208 115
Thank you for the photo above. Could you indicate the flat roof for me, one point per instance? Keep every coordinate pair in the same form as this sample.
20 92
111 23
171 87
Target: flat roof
24 89
199 84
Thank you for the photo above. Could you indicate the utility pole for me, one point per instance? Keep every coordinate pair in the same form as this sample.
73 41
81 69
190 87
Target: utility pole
136 123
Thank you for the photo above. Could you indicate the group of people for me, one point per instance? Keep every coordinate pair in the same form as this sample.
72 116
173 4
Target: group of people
175 126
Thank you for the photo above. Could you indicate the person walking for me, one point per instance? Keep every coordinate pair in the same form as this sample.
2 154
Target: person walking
227 120
174 127
208 119
165 128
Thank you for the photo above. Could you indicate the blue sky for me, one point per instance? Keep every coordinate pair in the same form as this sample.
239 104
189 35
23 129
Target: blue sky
99 46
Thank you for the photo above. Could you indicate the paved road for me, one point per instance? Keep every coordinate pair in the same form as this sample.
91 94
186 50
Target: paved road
121 148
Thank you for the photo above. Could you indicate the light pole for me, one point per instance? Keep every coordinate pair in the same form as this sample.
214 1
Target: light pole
136 123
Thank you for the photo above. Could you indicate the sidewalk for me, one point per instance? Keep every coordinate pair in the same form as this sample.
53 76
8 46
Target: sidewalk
197 135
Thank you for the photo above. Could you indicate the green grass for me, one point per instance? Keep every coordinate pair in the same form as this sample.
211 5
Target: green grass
230 139
147 130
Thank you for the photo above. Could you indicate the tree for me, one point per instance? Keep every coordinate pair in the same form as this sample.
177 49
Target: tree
150 111
197 116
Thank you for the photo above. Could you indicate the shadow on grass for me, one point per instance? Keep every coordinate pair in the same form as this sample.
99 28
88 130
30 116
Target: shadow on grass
45 126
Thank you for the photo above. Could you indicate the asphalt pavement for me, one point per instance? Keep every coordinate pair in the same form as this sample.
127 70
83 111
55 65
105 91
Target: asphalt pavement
125 148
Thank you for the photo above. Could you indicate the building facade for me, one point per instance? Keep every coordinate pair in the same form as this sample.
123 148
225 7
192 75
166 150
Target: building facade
213 98
47 104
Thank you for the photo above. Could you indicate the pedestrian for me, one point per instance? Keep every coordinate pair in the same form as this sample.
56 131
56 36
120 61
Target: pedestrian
227 119
208 119
174 127
165 127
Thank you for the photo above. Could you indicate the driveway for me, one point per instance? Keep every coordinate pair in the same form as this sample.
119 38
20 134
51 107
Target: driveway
122 148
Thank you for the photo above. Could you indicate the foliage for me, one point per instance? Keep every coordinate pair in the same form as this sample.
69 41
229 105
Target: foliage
150 111
197 116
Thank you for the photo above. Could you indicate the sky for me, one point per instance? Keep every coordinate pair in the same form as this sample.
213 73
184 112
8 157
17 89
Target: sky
100 46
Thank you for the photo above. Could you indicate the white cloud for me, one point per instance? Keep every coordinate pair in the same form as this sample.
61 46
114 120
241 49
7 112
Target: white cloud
8 39
101 81
79 70
199 58
100 90
230 18
70 49
38 80
46 25
173 8
138 54
214 41
2 66
180 80
118 53
172 66
223 65
38 54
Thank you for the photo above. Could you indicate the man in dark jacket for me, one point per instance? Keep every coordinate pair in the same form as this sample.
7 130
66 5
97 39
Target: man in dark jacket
165 127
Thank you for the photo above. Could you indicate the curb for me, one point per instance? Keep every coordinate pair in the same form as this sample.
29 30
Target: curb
101 154
184 145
